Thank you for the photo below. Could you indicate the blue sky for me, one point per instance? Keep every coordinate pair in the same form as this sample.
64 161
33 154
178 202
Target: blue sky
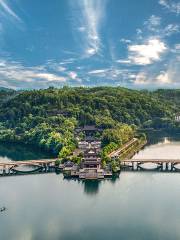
126 43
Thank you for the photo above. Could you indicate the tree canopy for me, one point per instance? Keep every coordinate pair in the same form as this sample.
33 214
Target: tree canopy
47 118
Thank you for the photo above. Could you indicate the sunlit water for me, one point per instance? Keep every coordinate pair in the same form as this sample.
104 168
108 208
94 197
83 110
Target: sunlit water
138 205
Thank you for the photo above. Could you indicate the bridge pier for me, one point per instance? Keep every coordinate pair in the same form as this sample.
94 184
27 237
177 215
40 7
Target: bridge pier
138 166
48 167
133 166
44 167
4 170
160 167
167 166
171 167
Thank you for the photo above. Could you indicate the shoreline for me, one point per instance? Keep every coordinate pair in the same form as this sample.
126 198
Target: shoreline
132 150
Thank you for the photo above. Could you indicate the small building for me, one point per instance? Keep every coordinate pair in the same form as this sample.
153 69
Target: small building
96 144
88 130
91 159
68 164
83 145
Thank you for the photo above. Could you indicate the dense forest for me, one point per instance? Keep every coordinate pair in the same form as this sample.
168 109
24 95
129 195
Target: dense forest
6 94
48 118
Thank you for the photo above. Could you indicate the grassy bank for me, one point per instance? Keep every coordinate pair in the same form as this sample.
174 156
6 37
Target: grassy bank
133 149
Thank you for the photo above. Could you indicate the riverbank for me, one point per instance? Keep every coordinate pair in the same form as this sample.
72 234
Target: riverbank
133 149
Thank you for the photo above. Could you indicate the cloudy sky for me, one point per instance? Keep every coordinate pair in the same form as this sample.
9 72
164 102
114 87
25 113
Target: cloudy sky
89 42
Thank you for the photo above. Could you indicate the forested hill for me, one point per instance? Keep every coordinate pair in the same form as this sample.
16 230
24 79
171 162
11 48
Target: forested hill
43 115
169 95
98 106
6 94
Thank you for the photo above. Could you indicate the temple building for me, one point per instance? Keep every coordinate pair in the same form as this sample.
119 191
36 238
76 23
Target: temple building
91 159
83 145
90 167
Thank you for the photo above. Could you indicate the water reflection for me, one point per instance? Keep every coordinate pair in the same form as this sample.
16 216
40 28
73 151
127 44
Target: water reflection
155 137
18 152
166 140
91 187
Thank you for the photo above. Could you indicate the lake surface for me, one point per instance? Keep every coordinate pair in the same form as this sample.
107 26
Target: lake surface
137 205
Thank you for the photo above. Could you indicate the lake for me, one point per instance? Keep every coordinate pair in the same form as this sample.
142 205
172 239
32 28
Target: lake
137 205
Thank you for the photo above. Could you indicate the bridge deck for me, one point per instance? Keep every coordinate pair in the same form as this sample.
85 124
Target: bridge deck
151 160
48 161
28 162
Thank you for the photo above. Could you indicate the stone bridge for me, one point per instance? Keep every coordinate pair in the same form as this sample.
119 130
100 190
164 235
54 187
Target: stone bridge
157 164
32 166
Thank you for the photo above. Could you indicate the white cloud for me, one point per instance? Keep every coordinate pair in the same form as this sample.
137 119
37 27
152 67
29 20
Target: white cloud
151 51
124 61
124 40
172 6
80 67
177 46
91 51
154 25
139 33
97 71
17 74
163 78
148 78
170 29
45 76
112 74
68 61
141 78
176 51
143 54
61 69
73 75
170 75
88 21
81 29
153 22
152 77
5 7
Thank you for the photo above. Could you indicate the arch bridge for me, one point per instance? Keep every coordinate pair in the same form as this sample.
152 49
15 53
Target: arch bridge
155 164
32 166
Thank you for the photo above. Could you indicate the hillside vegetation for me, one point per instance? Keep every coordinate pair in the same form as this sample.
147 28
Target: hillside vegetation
47 118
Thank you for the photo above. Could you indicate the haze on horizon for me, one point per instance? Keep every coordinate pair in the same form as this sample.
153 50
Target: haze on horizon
125 43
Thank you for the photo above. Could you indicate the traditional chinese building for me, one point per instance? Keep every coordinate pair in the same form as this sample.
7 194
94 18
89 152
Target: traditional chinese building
91 159
96 144
83 145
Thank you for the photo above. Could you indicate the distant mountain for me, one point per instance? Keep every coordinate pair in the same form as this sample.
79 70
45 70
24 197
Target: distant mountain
6 89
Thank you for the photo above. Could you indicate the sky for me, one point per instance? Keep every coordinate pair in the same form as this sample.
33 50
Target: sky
128 43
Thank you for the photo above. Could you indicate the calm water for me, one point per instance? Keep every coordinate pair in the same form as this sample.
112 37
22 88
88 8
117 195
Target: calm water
143 205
